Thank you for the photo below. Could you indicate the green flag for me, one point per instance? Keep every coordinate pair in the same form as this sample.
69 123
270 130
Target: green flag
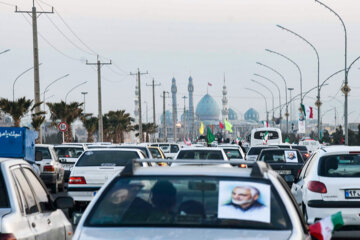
228 126
210 136
287 140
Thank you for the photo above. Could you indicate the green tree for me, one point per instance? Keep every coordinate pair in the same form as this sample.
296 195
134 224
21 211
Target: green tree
116 124
64 112
326 138
338 136
17 109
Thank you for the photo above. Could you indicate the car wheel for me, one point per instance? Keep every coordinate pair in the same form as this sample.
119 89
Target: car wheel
55 187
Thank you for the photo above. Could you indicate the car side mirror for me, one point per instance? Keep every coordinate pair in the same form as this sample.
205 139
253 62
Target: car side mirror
289 178
38 156
64 202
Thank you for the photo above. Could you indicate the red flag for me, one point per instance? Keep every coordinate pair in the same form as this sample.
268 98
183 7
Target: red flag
209 84
221 125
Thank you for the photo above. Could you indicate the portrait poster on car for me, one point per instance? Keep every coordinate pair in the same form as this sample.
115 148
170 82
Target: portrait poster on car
247 201
291 157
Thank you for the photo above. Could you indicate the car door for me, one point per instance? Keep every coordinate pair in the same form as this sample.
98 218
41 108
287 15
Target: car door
53 217
35 219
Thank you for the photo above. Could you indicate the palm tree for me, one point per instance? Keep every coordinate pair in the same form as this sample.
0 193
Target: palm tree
17 109
91 125
149 128
116 124
65 113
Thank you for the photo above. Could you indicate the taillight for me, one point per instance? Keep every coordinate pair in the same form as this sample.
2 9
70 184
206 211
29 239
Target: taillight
67 156
7 236
307 155
316 186
243 165
49 168
77 180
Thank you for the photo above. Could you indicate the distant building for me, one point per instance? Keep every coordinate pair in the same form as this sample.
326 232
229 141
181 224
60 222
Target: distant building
251 115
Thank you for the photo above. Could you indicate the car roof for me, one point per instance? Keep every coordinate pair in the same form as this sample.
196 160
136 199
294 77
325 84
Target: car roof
201 148
191 170
44 145
112 149
68 146
339 149
277 149
265 146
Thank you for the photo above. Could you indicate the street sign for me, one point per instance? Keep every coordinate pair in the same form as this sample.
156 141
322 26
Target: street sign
63 127
346 89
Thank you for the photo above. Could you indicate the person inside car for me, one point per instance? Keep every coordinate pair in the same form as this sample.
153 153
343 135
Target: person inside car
163 197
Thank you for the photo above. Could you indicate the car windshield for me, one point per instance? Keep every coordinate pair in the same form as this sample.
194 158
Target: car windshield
200 154
106 158
344 165
155 153
169 201
69 152
4 201
232 153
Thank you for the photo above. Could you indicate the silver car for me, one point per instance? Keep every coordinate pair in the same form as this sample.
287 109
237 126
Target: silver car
27 210
193 202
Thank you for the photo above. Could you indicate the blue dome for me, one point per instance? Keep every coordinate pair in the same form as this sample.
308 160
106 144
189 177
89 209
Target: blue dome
251 115
232 114
168 118
207 109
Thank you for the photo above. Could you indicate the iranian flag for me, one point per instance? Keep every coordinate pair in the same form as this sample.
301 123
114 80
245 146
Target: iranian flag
266 137
266 124
308 111
322 230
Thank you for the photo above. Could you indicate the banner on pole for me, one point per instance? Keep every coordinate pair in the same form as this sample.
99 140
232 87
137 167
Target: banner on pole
301 126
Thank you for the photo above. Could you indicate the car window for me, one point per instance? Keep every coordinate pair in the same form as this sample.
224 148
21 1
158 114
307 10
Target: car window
39 191
200 154
45 152
342 165
68 152
272 156
311 163
155 153
4 198
189 202
174 148
165 147
256 150
106 158
24 187
301 148
143 149
233 153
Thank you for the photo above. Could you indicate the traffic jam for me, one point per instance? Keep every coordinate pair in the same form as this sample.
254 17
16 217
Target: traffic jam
169 190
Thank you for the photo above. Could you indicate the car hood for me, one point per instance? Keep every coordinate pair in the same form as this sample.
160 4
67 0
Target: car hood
3 212
128 233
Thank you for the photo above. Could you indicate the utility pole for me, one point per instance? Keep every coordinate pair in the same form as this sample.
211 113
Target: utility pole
184 97
153 85
34 15
139 85
101 126
164 116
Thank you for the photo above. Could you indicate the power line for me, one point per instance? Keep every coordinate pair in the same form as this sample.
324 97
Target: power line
8 4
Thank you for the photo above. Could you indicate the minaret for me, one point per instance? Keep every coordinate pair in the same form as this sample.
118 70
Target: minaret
136 112
191 108
174 106
225 108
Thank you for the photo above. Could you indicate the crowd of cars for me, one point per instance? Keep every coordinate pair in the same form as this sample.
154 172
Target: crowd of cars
166 190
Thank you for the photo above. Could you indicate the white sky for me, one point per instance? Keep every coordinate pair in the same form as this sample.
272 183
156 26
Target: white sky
175 38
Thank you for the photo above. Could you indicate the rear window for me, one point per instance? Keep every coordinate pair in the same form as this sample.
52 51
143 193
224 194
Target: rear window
155 153
256 150
271 135
201 154
207 202
345 165
4 198
143 149
68 152
280 156
233 153
300 148
106 158
45 152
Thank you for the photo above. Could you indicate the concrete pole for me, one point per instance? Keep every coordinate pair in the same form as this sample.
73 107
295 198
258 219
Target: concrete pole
100 115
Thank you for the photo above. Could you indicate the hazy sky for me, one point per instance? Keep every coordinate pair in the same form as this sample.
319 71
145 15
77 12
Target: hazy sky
176 38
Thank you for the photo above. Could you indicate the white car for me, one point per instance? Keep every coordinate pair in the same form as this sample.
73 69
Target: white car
169 149
51 170
330 182
193 203
94 168
27 210
68 155
233 152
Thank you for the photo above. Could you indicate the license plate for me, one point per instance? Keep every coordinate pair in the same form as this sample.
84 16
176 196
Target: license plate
352 193
283 172
67 166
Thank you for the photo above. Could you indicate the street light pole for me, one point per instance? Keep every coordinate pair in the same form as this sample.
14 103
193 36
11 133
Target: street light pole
272 95
287 110
267 113
84 93
318 102
74 89
291 106
46 89
5 51
18 78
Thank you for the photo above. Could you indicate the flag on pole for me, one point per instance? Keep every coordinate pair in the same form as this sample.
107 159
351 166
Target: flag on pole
201 129
221 125
308 111
209 84
265 137
266 124
210 136
228 126
322 230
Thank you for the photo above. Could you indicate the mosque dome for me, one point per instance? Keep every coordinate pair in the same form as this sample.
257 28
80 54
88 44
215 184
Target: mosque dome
232 114
168 118
251 115
207 108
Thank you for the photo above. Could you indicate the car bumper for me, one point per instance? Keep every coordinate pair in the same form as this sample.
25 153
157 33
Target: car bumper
318 209
48 178
82 194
